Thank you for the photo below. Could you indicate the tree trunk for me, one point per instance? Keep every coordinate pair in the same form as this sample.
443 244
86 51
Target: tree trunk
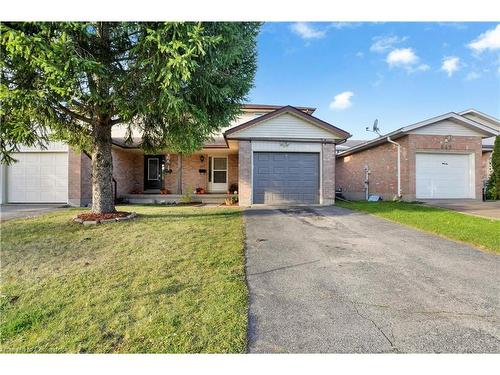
102 170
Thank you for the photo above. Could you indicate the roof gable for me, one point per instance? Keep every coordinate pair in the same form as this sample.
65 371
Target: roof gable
481 118
286 123
447 124
447 127
480 129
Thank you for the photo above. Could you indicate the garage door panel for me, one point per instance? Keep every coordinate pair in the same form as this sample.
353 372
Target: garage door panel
444 176
38 177
294 178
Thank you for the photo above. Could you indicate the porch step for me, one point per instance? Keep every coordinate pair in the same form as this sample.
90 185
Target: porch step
173 198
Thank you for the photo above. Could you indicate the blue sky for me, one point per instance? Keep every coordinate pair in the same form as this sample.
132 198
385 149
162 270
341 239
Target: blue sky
400 73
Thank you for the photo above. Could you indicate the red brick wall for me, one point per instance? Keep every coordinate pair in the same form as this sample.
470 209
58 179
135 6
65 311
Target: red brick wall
171 180
245 173
232 165
191 177
485 164
328 174
127 171
382 161
79 178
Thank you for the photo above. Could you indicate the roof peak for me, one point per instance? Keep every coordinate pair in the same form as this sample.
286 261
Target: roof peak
272 107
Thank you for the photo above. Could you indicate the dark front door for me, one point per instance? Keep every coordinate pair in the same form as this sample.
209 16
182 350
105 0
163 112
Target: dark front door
152 172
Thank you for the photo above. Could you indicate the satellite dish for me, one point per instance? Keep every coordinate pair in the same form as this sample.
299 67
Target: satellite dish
375 128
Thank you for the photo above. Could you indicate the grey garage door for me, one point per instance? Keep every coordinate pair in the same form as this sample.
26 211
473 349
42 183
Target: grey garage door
285 177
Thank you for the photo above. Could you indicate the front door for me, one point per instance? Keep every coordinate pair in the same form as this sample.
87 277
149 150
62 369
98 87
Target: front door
152 172
217 179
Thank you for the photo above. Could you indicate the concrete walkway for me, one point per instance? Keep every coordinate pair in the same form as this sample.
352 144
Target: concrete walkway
333 280
490 210
17 211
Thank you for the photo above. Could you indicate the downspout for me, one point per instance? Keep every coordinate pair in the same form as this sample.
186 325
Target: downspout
399 164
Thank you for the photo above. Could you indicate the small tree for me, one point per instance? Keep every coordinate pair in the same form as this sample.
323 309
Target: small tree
494 181
176 83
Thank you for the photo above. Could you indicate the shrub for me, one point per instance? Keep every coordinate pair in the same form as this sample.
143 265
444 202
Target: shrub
186 197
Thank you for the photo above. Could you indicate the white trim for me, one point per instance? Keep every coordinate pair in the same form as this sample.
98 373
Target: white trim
286 146
481 115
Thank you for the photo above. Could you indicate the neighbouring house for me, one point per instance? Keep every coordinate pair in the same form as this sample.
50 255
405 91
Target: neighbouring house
270 155
445 157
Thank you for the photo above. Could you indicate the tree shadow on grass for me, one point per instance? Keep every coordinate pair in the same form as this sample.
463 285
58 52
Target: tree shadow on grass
166 215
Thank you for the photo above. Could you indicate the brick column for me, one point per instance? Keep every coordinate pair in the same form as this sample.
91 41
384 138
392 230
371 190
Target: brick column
245 173
328 176
79 179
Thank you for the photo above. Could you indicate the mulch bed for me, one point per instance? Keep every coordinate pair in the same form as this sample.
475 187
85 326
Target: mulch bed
90 216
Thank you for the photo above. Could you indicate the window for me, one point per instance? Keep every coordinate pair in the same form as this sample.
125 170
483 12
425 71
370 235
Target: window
220 164
219 177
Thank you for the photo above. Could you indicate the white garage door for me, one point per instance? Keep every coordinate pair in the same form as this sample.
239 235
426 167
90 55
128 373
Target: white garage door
444 176
38 177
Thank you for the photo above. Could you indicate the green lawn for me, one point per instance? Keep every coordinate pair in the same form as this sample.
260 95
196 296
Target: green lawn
170 281
483 233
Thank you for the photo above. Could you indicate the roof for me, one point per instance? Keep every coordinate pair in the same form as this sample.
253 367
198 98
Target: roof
266 107
486 130
482 115
350 143
293 110
488 144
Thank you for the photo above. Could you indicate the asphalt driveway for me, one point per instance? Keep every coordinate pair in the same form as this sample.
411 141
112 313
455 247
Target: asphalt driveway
17 211
489 209
332 280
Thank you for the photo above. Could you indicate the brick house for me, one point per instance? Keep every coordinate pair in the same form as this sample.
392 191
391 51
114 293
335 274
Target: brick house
440 158
273 155
270 155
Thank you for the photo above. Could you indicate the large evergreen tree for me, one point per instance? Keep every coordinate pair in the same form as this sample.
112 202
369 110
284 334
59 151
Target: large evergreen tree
176 82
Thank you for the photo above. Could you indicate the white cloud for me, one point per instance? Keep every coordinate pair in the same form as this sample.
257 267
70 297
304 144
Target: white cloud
342 101
344 25
360 54
306 31
423 67
402 57
450 65
489 40
454 25
384 43
472 76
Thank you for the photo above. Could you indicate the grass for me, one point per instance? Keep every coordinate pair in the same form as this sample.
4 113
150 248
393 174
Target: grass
170 281
481 232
